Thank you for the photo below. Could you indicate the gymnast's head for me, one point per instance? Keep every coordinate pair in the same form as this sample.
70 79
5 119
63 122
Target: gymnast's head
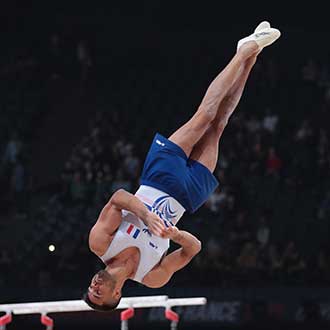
104 292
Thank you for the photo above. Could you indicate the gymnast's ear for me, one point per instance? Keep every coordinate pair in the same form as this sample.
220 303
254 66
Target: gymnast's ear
117 293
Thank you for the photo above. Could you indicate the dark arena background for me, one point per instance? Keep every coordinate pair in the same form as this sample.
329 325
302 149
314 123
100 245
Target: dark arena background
83 89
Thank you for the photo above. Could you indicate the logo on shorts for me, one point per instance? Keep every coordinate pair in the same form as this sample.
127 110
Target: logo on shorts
160 143
163 208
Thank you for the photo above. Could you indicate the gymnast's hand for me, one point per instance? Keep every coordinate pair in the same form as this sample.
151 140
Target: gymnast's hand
154 223
171 232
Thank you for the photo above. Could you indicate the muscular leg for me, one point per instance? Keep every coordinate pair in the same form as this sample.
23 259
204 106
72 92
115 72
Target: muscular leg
207 148
190 133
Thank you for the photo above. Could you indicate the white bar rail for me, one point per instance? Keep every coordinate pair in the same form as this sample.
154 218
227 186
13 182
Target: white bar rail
80 305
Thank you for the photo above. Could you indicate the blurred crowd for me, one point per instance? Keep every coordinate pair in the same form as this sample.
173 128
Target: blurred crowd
266 225
28 77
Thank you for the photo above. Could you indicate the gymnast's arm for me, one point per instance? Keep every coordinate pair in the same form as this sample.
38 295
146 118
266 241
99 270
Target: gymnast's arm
162 273
110 219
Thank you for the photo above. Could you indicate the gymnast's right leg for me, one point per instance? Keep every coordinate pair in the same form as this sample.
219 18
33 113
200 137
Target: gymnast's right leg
207 149
191 132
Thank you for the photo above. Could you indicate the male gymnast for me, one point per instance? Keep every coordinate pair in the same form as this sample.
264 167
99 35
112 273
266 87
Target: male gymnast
133 232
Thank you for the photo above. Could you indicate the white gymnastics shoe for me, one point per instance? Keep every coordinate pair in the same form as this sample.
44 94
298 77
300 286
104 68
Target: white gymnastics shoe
264 35
262 25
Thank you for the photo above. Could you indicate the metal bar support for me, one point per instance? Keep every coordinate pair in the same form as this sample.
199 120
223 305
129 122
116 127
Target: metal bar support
125 316
5 319
173 317
47 321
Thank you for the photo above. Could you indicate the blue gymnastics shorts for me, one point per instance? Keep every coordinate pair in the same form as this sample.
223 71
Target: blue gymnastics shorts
168 169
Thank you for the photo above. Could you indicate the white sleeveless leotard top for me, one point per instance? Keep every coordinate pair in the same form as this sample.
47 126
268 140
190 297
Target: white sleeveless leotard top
134 233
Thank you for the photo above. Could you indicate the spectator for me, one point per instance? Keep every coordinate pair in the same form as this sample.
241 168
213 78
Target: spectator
273 162
276 263
270 121
212 248
131 164
78 188
293 264
224 266
241 231
247 262
101 189
257 159
253 124
84 60
120 182
263 232
323 266
12 150
55 64
304 132
216 200
310 71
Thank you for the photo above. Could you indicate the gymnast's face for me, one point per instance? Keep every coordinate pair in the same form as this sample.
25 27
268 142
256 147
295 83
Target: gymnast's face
102 289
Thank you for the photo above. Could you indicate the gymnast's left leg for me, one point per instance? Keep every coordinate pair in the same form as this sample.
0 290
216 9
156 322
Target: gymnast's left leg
206 150
221 89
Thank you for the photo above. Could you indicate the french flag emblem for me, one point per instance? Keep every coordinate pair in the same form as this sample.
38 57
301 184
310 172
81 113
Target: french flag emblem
134 233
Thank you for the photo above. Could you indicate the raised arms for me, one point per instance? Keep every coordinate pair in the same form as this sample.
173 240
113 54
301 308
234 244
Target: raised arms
190 246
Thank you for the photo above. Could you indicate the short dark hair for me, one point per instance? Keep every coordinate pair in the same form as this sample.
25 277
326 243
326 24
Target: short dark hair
101 308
